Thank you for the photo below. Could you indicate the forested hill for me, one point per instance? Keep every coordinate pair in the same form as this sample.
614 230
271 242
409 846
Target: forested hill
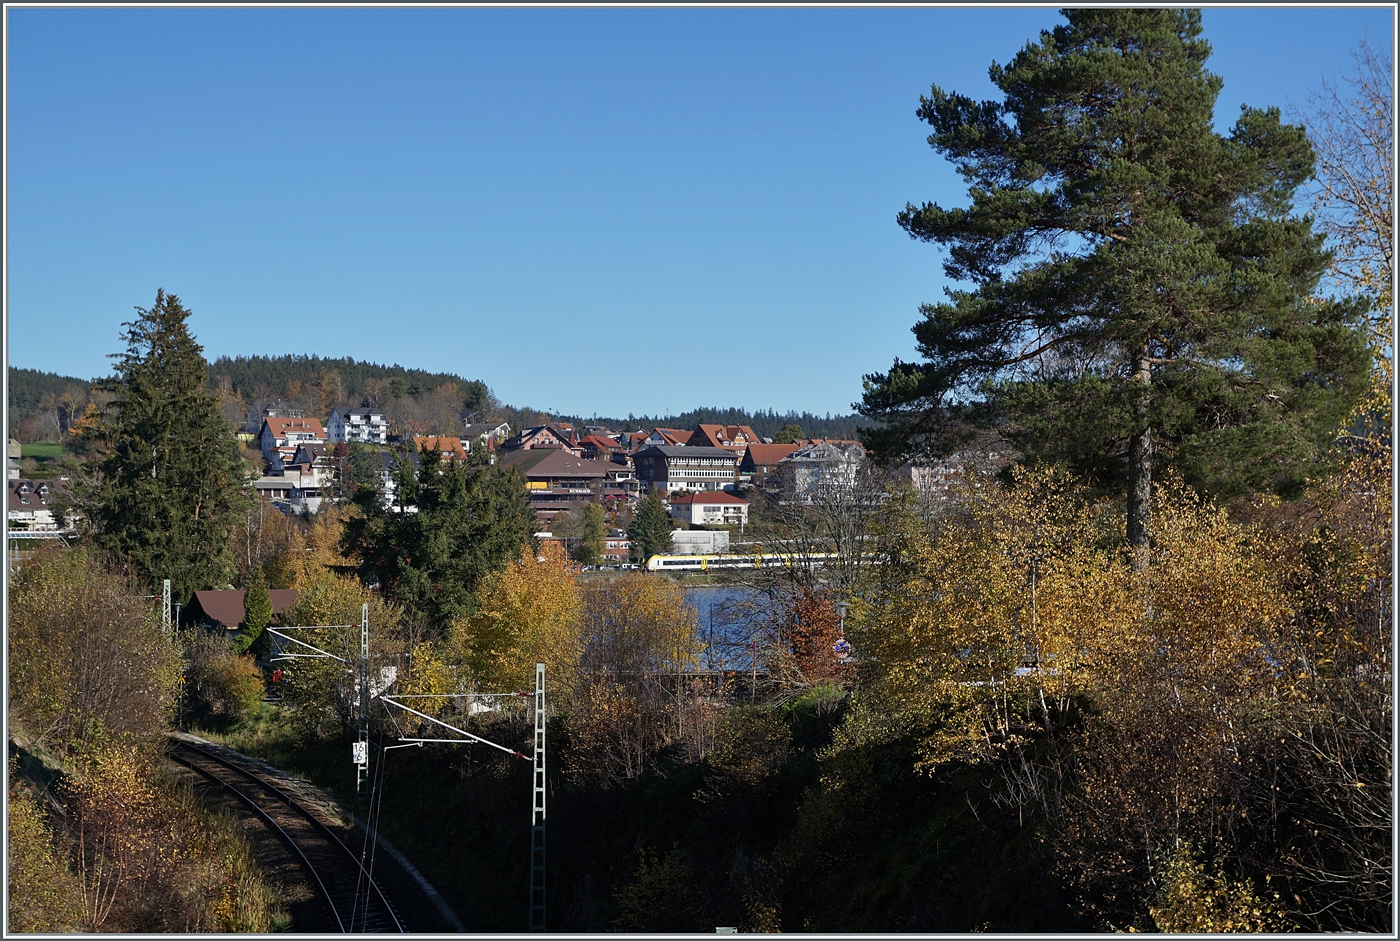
48 401
30 387
766 424
267 377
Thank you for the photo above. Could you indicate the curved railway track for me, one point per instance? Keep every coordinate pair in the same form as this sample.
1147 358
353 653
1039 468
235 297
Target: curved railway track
356 902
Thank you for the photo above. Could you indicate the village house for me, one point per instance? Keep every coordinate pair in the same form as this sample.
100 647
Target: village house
711 508
558 480
700 541
490 434
543 436
601 448
449 448
364 425
387 467
28 505
760 463
735 438
224 608
670 468
820 470
617 548
280 437
658 438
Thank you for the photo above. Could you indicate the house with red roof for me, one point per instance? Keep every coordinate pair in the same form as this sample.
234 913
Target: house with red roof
710 508
735 438
600 448
659 437
279 438
760 463
448 447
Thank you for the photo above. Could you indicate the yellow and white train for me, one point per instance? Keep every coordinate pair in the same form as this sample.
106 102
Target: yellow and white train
703 563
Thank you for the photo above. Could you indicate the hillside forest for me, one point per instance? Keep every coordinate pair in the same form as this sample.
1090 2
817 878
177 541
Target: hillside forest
45 406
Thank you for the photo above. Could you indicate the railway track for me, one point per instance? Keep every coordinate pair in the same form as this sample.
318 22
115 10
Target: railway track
355 901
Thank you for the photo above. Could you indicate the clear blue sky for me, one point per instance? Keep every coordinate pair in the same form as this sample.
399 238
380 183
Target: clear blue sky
592 210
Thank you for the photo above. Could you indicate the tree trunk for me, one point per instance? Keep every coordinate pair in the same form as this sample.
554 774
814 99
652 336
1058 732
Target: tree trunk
1140 458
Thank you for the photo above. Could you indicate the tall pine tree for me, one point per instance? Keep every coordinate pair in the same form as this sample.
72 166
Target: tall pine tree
1140 284
171 483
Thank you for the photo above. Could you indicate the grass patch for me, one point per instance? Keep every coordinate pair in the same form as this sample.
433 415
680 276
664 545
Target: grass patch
43 450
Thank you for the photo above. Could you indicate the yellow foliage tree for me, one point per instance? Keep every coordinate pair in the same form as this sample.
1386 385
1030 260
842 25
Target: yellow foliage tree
527 613
987 625
320 691
639 625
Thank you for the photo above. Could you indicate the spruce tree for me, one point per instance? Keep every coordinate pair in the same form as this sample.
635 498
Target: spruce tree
171 483
1140 284
257 612
650 531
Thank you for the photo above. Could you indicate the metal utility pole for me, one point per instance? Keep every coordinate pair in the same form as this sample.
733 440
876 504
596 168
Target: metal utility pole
165 607
362 707
538 778
537 813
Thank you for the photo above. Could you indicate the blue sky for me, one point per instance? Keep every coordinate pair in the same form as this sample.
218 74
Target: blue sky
592 210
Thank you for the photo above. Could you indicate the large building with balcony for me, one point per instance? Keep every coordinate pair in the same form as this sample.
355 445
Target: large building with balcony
365 425
667 468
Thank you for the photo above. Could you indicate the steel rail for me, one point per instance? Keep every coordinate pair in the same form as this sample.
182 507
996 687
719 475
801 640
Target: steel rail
316 821
267 818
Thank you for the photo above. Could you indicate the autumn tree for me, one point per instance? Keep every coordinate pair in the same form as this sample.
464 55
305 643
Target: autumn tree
593 536
637 634
171 488
1352 128
527 613
319 692
1140 286
87 656
638 625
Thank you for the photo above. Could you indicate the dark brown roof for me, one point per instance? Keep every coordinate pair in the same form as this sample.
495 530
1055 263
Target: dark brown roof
226 607
764 454
26 494
551 463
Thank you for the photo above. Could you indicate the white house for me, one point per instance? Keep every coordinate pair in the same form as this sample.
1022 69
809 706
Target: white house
710 508
27 505
821 469
365 425
282 436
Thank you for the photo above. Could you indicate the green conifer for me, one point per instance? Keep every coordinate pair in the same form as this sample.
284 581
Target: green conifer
257 612
651 527
171 484
1140 284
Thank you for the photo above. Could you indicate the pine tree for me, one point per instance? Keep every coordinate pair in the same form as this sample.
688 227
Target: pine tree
651 527
171 484
1140 282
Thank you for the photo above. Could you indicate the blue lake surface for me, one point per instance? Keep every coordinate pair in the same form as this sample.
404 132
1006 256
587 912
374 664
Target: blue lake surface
730 621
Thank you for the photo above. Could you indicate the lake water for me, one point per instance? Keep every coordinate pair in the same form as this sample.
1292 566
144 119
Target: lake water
730 621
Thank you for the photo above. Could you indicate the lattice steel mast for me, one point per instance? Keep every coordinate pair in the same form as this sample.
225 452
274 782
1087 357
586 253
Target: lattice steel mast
537 812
